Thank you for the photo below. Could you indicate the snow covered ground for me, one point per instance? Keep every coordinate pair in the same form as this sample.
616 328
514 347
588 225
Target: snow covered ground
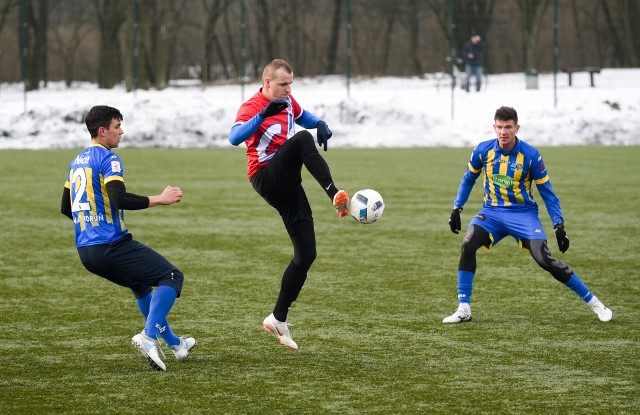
378 112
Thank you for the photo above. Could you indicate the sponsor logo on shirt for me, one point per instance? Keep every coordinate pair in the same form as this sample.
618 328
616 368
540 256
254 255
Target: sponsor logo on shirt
503 181
115 167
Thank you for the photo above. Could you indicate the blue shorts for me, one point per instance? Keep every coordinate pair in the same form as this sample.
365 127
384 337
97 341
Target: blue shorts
131 264
500 222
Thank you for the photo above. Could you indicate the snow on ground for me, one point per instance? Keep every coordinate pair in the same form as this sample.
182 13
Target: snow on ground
375 112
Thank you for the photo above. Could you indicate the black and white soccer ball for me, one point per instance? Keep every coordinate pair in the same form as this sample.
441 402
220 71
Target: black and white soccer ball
366 206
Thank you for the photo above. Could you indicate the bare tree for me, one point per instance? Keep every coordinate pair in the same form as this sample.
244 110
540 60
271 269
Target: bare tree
263 16
621 19
5 10
110 15
579 37
413 23
213 10
69 31
532 12
332 55
388 37
37 17
154 29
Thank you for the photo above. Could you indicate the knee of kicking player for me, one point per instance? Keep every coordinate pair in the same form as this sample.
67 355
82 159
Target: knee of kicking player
303 135
305 140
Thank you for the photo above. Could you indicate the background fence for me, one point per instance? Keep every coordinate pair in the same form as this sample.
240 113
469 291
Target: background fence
149 43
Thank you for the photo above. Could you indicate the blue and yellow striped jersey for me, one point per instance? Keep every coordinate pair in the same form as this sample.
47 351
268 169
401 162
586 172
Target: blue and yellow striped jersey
96 221
508 178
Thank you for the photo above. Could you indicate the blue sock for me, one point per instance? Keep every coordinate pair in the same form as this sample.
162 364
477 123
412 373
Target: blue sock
167 335
143 304
161 302
465 285
578 287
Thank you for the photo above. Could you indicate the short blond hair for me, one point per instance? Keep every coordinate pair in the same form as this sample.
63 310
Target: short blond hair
273 66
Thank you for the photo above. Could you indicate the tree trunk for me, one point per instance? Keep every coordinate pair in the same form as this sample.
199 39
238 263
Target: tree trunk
37 20
332 55
5 11
532 14
110 14
414 35
579 34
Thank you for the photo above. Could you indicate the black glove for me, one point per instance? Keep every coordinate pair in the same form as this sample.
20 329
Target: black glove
454 220
561 236
324 133
274 107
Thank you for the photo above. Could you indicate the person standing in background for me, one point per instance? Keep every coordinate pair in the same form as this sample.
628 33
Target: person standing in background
473 53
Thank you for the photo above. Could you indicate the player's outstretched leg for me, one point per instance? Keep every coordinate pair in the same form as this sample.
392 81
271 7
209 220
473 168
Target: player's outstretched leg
577 286
281 330
561 272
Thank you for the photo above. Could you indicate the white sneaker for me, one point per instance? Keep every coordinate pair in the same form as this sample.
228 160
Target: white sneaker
461 315
604 314
280 329
181 351
150 349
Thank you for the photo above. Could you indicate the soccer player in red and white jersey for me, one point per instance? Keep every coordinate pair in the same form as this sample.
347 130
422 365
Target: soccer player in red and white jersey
276 154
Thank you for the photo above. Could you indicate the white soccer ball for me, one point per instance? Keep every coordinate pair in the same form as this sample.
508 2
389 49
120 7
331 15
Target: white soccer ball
366 206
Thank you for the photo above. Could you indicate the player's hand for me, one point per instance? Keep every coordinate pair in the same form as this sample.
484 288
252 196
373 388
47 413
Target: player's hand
561 236
274 107
454 220
324 133
171 195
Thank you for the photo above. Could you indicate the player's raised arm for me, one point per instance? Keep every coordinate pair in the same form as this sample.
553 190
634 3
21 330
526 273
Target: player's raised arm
242 131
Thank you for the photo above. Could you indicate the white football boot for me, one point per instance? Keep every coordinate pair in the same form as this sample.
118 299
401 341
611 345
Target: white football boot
280 329
462 314
150 348
603 313
181 350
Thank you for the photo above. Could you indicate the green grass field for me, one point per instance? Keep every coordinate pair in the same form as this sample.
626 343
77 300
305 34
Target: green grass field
368 321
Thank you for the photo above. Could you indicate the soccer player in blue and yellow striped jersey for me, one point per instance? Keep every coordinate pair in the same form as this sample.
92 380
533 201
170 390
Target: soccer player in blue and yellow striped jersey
95 198
509 167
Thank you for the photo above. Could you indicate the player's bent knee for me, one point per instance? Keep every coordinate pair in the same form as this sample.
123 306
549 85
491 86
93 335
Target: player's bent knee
474 238
174 280
141 291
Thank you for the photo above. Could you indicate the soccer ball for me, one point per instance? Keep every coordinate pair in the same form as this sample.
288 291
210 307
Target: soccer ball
366 206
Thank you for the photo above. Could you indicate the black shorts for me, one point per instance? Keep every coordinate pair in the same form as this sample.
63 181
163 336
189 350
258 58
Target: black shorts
280 184
131 264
